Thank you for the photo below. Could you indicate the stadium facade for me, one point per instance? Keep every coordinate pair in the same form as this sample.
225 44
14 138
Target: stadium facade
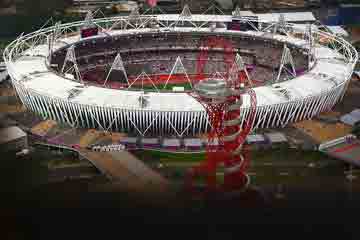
35 61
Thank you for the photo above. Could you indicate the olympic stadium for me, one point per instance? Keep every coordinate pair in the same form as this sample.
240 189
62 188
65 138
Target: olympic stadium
135 74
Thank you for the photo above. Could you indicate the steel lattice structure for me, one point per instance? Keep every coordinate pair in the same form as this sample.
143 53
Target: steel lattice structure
55 96
222 99
211 43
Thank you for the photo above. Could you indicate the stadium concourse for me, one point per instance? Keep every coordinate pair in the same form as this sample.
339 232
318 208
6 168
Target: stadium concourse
294 76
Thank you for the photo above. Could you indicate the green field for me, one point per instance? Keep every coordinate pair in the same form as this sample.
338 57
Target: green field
4 42
55 158
273 155
186 86
170 157
286 154
274 166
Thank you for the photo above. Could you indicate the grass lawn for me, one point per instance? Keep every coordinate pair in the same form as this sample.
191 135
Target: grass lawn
288 166
281 155
287 155
55 158
4 42
61 161
170 157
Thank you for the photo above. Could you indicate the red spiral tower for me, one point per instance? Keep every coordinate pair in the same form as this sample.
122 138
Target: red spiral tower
214 44
222 98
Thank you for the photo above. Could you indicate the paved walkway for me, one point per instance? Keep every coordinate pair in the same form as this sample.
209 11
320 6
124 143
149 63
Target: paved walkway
127 172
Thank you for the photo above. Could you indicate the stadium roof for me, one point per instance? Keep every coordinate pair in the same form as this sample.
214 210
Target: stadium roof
195 18
264 17
289 17
326 73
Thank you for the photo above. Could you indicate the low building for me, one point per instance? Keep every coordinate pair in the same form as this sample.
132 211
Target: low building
150 142
320 131
193 144
255 138
130 142
348 119
351 118
13 139
276 138
171 143
328 118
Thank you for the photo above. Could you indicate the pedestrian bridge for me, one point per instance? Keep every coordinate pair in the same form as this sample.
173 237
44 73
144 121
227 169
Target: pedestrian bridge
346 148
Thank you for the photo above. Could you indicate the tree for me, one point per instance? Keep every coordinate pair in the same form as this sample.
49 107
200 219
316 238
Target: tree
6 3
43 7
356 129
31 15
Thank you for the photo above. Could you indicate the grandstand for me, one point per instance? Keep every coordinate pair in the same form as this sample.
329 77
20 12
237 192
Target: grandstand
156 55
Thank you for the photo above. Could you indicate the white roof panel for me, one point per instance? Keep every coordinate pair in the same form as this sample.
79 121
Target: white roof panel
289 17
195 18
48 83
264 17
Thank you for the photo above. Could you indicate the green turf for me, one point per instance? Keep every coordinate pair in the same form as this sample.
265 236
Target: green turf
288 166
4 42
284 154
186 86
